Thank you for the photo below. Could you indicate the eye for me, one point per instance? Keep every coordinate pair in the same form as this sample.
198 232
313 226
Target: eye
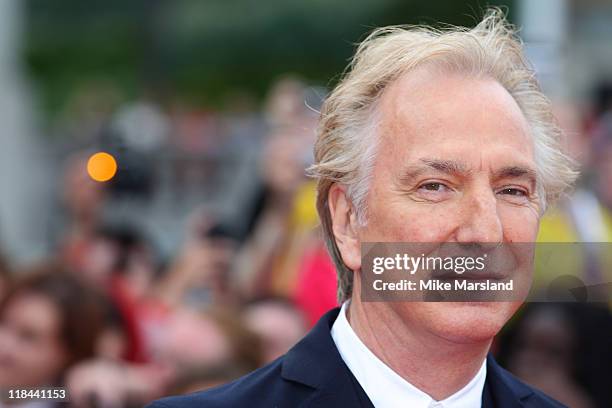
434 191
517 192
516 195
433 187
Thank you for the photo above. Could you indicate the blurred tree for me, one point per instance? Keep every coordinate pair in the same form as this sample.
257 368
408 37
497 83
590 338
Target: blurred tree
200 51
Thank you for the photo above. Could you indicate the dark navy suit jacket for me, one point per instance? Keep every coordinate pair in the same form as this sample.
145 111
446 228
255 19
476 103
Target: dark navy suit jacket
312 374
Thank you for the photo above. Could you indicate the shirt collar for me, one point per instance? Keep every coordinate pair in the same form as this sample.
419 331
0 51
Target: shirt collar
385 387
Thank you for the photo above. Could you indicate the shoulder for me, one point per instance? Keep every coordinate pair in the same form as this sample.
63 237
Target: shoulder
542 400
529 396
263 387
235 393
311 370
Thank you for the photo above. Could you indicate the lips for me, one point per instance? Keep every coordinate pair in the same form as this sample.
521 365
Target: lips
470 275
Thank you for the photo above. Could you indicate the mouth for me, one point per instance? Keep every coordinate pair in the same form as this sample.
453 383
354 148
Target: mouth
496 265
451 275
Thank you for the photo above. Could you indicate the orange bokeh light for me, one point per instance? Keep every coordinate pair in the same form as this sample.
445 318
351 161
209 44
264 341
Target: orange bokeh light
101 166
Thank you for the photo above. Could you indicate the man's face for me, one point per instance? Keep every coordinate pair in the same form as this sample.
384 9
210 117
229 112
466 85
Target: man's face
455 164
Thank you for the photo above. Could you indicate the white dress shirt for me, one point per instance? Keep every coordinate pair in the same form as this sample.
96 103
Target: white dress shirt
384 387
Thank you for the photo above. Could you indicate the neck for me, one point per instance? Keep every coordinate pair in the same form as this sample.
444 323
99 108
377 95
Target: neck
436 366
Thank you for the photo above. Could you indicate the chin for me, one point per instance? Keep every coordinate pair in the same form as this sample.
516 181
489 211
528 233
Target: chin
466 322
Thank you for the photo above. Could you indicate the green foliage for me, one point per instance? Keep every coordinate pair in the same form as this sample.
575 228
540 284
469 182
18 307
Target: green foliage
199 51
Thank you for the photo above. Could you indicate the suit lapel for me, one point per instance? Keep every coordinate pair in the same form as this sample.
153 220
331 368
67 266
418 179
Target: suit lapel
502 390
316 363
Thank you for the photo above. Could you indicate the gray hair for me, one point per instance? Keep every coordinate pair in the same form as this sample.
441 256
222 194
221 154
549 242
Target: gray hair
345 148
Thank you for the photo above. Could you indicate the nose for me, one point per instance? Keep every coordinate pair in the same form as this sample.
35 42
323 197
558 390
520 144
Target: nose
479 218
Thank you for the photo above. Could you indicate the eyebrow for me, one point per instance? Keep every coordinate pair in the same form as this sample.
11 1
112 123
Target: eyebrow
449 167
446 166
516 172
455 168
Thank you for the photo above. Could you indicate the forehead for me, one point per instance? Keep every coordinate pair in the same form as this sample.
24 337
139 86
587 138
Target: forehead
428 112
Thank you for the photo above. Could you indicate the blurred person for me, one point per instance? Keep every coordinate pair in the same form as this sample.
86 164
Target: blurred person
269 260
114 384
585 215
203 379
122 262
83 201
114 340
49 322
121 251
432 136
283 219
278 323
546 343
285 102
210 338
200 273
194 347
563 349
102 382
576 218
315 288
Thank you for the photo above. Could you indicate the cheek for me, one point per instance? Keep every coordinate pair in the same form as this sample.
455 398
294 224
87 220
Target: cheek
426 224
409 222
519 224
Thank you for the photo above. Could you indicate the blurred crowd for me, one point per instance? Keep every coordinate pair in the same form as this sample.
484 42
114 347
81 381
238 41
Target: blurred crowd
112 318
120 322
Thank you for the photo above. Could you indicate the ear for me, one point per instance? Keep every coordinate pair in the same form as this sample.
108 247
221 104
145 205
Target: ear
344 226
